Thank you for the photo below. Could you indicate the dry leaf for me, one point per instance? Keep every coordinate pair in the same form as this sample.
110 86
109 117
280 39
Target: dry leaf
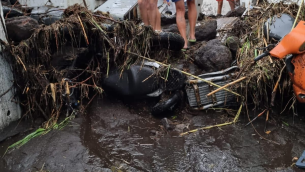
268 132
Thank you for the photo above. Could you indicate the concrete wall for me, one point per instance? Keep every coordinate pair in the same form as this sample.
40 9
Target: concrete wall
9 111
92 4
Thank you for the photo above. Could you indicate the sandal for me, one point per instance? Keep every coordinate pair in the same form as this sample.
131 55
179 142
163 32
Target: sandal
184 49
192 40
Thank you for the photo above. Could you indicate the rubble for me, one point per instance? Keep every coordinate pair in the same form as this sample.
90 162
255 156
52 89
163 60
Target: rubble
213 56
11 12
206 31
20 28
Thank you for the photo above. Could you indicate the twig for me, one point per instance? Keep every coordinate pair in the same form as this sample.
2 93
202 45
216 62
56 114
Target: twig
186 73
106 18
81 23
11 9
276 86
19 59
295 21
232 83
85 4
218 125
44 114
6 91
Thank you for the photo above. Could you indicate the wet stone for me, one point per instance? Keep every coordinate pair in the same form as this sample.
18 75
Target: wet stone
167 124
214 56
206 31
20 28
172 28
11 12
238 12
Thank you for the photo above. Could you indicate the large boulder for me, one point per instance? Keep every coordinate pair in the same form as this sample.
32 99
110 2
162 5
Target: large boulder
213 56
206 31
20 28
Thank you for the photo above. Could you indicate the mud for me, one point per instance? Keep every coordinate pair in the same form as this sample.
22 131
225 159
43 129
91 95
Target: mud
116 135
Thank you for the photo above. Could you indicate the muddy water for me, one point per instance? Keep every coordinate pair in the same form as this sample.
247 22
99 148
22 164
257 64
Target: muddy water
131 140
118 135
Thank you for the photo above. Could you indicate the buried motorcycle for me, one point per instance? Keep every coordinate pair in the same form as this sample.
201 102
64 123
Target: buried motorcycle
291 46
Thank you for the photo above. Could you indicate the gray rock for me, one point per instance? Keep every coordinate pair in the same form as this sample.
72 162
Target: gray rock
167 124
172 28
206 31
168 17
11 12
233 43
20 28
213 56
238 12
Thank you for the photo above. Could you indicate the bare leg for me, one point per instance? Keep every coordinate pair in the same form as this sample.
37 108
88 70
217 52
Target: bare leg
192 15
219 7
152 12
180 19
143 11
158 19
232 5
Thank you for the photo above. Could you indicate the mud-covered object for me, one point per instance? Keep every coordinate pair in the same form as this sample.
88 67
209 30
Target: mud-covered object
130 81
172 28
279 26
46 15
20 28
52 16
238 12
233 43
166 105
168 40
213 56
168 16
70 56
206 31
11 12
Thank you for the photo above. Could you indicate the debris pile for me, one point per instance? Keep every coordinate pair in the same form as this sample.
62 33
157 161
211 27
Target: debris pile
70 56
265 77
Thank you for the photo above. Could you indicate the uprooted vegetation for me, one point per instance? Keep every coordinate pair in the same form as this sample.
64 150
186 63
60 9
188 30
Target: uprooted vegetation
104 44
268 76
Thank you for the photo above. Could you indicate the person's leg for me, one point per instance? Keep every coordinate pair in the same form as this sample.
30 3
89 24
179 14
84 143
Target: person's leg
158 17
220 2
143 11
152 13
192 16
232 4
180 19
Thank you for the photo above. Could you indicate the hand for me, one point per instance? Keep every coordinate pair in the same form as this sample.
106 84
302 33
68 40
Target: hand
166 2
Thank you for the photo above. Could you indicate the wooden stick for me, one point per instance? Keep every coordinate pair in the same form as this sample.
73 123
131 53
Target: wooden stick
276 86
186 73
232 83
81 23
295 21
218 125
